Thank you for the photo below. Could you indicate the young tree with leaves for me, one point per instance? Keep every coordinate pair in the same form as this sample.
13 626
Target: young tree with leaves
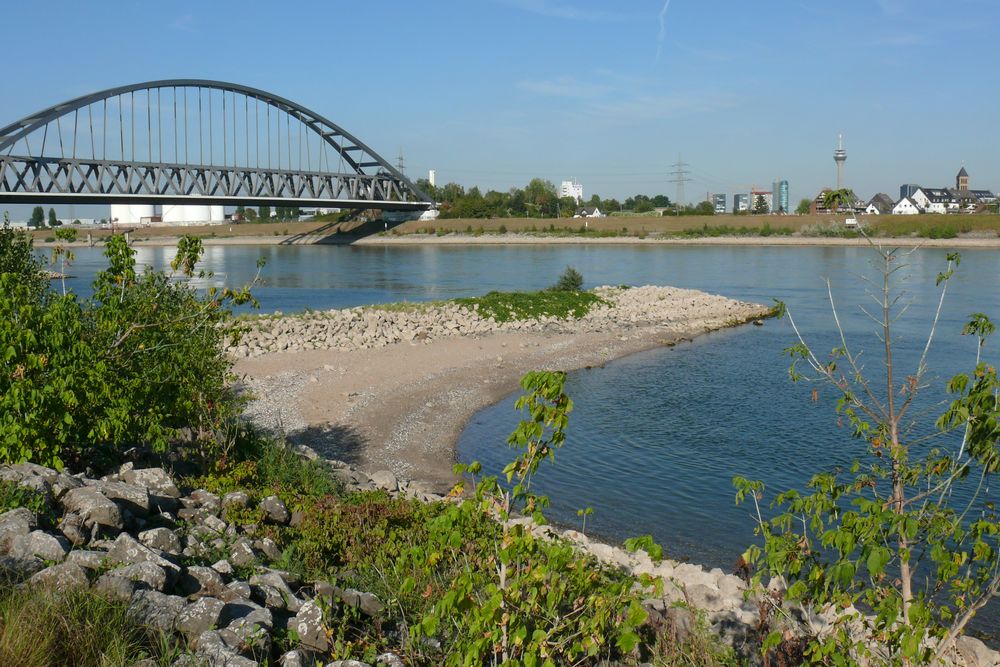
890 536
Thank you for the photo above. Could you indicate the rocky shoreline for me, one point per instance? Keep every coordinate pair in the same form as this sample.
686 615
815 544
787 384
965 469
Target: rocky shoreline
128 536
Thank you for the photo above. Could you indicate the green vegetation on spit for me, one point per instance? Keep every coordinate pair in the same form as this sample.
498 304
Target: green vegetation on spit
510 306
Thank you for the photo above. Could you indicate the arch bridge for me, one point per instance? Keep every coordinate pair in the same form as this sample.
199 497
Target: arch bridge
193 141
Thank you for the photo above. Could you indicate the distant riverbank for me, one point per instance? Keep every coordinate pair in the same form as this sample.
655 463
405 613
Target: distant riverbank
543 239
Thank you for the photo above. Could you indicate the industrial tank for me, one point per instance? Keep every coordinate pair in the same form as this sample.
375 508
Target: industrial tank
218 214
131 214
186 214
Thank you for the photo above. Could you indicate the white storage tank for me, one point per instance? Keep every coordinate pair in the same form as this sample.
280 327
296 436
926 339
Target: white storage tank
218 214
131 214
186 214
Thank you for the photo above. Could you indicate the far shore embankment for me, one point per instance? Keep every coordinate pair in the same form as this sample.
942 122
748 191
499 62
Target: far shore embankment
978 231
393 389
530 239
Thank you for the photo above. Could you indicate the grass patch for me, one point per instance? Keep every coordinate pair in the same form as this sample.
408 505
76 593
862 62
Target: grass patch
263 466
510 306
13 495
78 628
712 231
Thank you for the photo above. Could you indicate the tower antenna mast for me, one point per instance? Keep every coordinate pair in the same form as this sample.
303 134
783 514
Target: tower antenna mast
840 156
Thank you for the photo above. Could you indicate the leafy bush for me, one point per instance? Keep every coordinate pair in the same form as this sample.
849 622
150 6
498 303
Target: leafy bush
570 281
939 231
890 535
139 361
17 257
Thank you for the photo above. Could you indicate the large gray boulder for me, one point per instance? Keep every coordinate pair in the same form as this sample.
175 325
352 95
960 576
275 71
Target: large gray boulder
308 625
155 480
275 510
87 559
220 648
156 609
16 522
132 497
93 507
126 550
61 577
41 544
200 616
18 569
146 574
198 581
271 580
161 539
241 553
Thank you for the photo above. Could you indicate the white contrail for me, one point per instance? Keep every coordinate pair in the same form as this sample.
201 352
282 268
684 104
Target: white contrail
663 29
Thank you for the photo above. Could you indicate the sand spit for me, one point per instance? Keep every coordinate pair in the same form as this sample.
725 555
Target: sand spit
392 389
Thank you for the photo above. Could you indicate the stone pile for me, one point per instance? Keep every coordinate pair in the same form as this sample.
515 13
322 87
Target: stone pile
371 327
128 536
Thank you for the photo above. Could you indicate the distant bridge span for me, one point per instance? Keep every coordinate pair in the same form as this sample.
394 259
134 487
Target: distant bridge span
194 141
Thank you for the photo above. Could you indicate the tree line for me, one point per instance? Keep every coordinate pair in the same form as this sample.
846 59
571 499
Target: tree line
538 199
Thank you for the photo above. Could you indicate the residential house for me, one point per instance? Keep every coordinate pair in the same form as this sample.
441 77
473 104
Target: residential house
906 206
880 204
935 200
588 212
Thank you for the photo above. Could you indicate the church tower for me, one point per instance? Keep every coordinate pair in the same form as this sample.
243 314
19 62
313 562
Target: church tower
962 180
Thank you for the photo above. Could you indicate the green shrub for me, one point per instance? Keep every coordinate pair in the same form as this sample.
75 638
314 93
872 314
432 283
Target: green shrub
17 257
503 229
570 281
889 534
138 361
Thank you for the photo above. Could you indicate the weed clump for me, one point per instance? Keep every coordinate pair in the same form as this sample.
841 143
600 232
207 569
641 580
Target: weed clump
571 280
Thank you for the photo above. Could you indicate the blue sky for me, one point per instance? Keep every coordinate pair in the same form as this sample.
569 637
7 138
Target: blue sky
495 92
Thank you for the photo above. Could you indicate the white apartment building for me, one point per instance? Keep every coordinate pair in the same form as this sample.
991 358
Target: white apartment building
571 189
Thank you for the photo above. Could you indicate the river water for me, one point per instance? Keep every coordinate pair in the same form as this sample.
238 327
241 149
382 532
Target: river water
655 439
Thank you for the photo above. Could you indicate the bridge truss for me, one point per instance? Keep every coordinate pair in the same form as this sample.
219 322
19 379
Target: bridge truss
195 141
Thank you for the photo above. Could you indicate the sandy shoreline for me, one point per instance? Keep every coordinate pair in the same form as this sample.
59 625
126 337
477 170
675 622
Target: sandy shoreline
402 407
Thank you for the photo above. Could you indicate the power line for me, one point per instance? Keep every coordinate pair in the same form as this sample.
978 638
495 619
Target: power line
679 174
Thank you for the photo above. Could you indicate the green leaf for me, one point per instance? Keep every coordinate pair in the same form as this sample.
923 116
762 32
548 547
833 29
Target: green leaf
627 641
877 559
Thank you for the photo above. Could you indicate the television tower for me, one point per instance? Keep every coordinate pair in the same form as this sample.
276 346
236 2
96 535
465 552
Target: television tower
840 156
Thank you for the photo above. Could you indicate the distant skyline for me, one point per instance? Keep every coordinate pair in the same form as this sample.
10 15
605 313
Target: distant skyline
495 92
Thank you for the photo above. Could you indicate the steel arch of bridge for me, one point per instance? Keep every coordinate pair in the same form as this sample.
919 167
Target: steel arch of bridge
367 182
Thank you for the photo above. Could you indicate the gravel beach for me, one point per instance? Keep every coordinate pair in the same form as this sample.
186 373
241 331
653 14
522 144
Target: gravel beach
392 389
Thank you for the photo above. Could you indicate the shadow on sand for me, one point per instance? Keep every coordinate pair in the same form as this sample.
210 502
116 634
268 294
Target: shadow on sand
332 441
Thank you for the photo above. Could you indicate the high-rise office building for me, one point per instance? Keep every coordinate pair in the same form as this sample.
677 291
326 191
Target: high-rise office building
719 202
779 196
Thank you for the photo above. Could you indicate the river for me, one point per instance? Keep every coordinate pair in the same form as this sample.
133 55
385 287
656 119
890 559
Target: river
655 439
